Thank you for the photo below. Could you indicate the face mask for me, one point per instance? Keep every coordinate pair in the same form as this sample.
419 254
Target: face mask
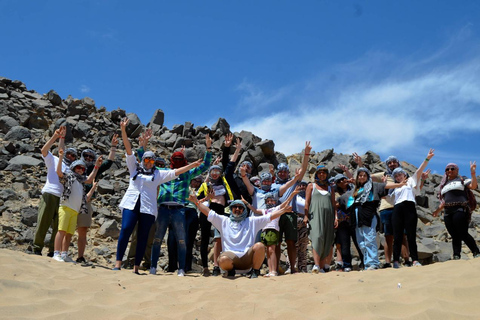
270 205
266 187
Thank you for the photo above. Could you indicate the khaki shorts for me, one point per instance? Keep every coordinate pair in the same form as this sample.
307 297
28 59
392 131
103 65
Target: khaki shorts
67 219
85 220
243 263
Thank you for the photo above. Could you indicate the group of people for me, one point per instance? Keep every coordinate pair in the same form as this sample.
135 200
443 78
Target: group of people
251 216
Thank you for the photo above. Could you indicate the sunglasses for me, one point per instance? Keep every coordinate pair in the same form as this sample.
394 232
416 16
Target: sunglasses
89 156
450 169
237 207
149 160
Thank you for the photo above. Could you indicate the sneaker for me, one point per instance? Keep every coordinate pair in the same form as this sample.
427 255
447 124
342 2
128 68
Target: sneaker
316 269
231 273
216 271
372 268
81 260
50 254
416 264
288 271
58 258
347 269
271 274
255 274
386 265
456 257
396 265
326 269
408 263
68 259
181 273
476 255
153 270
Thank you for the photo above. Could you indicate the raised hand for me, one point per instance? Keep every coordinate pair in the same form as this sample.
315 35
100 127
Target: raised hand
115 140
473 167
425 174
217 160
61 152
308 147
430 154
99 161
238 144
208 141
124 123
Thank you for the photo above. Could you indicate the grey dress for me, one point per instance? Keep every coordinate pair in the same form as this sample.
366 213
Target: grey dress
321 219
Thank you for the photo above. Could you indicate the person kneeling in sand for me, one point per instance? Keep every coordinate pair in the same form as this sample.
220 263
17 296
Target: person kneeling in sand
238 236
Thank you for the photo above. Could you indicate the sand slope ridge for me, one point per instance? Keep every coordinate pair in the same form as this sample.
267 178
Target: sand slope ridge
34 287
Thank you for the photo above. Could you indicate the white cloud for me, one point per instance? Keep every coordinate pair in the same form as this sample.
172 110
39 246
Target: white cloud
406 109
84 88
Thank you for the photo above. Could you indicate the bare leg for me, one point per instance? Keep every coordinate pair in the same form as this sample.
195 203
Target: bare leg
292 254
388 248
217 249
272 258
59 240
66 242
258 255
82 240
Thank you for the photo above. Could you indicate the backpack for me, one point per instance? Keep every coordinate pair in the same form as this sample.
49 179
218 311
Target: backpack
472 202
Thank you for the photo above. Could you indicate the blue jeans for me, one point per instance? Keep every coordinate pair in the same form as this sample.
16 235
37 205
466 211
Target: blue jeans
176 218
367 241
191 228
129 220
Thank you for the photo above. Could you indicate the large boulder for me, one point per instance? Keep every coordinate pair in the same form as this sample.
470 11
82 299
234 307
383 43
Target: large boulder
7 123
18 133
157 118
26 161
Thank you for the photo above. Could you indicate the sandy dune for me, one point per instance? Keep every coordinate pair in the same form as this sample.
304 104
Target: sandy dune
34 287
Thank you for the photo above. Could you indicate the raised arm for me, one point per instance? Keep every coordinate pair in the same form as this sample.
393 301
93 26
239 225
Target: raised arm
358 160
473 167
48 145
420 169
61 142
113 148
92 175
246 181
277 213
252 208
59 164
92 190
184 169
290 183
238 147
290 197
203 208
126 142
347 172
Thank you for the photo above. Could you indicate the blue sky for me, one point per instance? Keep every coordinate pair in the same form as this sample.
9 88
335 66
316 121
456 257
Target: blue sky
395 77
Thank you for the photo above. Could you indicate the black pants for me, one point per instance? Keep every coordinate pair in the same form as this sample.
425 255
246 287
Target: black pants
343 234
206 232
456 221
404 220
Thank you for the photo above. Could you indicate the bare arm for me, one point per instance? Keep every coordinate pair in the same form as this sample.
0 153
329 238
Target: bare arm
473 167
439 209
238 147
290 183
48 145
113 148
59 164
203 208
93 174
420 169
290 197
126 142
308 198
347 172
277 213
61 142
358 160
253 209
246 181
92 191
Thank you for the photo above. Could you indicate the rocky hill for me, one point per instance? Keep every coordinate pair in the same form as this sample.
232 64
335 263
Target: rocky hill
28 119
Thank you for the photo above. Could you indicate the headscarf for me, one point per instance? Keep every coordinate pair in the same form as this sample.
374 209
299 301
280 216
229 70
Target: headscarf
281 167
268 196
367 187
445 179
89 151
248 164
302 193
397 171
265 176
142 170
219 179
255 181
390 159
178 163
241 217
66 160
69 179
321 167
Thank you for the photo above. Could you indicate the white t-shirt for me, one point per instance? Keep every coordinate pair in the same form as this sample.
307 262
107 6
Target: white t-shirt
238 237
74 201
273 224
300 205
407 192
53 185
